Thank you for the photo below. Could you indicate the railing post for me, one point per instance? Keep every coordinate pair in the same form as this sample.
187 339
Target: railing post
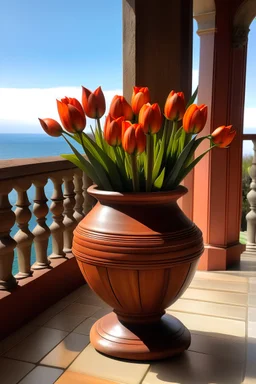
57 227
24 238
7 244
69 204
78 181
41 231
251 216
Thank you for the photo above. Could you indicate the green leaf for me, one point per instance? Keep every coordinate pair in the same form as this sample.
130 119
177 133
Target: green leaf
101 174
159 181
102 158
192 98
84 165
191 166
181 161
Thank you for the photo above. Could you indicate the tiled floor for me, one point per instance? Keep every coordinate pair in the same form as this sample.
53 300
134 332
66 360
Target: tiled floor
219 308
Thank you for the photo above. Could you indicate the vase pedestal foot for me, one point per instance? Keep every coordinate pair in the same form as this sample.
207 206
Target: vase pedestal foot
165 338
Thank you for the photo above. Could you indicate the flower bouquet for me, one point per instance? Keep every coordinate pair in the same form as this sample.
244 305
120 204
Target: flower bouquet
140 148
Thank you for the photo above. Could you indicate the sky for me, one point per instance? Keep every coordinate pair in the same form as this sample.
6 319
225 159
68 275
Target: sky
50 48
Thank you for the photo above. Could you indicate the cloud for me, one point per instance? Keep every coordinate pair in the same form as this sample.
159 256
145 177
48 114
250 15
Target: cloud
23 106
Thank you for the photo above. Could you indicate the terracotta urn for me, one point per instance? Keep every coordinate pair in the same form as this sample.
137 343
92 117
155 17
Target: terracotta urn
139 253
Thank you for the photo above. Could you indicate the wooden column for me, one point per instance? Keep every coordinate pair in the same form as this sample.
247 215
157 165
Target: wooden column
157 52
217 178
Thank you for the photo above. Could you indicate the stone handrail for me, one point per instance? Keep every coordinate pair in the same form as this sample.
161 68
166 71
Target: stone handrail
70 202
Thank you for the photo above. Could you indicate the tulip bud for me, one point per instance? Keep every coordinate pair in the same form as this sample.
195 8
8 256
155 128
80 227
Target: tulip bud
93 103
150 118
71 114
129 140
223 136
119 107
195 118
140 97
51 127
174 108
140 138
113 131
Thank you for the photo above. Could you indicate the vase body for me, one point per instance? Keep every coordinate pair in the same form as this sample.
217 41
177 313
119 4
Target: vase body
138 252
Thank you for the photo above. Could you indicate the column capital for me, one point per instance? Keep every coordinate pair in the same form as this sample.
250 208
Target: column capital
205 22
240 36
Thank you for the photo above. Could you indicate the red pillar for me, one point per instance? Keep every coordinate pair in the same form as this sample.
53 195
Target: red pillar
217 178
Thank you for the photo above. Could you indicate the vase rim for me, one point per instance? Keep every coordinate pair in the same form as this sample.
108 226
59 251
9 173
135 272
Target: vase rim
137 197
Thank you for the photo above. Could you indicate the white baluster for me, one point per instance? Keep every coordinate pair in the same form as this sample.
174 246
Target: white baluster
251 216
24 238
41 232
57 227
69 204
78 181
7 244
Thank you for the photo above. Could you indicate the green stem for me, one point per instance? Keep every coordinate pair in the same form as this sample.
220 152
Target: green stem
174 130
150 160
135 175
82 141
100 133
66 133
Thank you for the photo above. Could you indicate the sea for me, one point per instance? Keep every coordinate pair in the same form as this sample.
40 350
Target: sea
15 146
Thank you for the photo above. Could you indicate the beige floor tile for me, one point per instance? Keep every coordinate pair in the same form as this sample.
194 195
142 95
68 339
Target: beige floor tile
81 309
220 285
216 296
252 314
232 348
37 345
85 327
252 330
210 309
252 299
252 286
73 296
92 363
16 337
80 378
195 368
11 371
42 375
220 275
200 323
50 312
65 322
102 312
66 351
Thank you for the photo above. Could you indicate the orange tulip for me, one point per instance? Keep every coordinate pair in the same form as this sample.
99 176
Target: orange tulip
51 127
93 103
133 138
223 136
195 118
174 108
71 114
113 131
119 107
150 118
140 138
140 97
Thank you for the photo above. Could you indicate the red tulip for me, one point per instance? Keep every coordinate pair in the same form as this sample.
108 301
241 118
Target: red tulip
140 97
133 138
51 127
150 118
223 136
195 118
119 107
113 131
71 114
93 103
174 108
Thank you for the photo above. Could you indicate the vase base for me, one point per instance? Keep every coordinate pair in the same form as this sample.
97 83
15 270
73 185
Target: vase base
165 338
